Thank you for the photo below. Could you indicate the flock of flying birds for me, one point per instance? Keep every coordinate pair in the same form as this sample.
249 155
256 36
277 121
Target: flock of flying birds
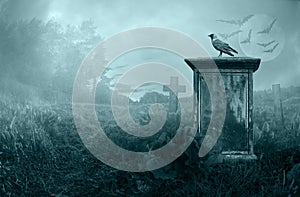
240 23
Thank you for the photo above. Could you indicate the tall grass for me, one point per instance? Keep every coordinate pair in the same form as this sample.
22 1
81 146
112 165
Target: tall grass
41 154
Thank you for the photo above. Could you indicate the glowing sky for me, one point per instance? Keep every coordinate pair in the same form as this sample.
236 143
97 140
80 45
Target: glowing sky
195 18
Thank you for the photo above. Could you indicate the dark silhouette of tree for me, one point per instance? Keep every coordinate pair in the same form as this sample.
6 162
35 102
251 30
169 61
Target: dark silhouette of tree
43 56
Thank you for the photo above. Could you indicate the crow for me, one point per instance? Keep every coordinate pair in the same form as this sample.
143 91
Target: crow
268 29
272 49
221 46
227 36
239 22
248 39
266 44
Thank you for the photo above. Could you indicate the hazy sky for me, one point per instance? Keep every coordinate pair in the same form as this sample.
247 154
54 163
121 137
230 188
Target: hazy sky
196 18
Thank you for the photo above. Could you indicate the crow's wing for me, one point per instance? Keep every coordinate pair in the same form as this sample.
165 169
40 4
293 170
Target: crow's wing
268 29
275 46
218 44
271 25
245 41
270 42
265 44
238 22
262 44
234 33
233 50
246 18
249 34
227 36
233 22
222 46
271 50
248 39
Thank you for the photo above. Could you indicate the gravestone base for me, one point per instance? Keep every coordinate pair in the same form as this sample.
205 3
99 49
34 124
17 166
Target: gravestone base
229 157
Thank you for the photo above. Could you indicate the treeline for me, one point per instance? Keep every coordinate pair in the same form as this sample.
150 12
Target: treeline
39 60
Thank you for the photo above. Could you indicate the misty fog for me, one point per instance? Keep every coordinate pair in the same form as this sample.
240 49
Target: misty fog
44 42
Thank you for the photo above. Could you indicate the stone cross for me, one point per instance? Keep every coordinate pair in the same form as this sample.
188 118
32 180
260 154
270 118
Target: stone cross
174 88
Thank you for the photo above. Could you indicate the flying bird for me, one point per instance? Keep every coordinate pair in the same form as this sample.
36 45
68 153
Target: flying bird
248 39
221 46
227 36
268 29
238 22
265 44
272 49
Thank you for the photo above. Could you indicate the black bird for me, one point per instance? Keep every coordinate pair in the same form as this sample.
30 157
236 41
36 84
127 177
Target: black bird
227 36
265 44
248 39
239 22
221 46
268 29
272 49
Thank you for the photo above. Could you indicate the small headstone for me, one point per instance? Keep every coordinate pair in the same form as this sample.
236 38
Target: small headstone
278 111
174 88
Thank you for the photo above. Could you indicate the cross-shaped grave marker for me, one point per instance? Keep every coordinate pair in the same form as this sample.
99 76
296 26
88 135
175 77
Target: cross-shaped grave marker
174 88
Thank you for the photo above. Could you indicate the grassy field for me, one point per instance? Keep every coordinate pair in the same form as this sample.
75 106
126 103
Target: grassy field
41 154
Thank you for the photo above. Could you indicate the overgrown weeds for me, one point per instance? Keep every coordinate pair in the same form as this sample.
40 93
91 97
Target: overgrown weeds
42 154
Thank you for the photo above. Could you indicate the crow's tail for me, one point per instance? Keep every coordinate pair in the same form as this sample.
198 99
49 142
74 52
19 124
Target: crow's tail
233 50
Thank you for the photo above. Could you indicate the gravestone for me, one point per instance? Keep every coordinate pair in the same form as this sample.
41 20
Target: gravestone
237 139
278 111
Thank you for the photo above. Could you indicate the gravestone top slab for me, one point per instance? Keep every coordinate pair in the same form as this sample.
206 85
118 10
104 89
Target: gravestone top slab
224 63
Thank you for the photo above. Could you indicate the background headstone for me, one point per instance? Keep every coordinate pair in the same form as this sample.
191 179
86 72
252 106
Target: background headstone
174 88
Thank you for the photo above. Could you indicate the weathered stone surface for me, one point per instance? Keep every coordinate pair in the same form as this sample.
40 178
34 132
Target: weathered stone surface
237 134
226 63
